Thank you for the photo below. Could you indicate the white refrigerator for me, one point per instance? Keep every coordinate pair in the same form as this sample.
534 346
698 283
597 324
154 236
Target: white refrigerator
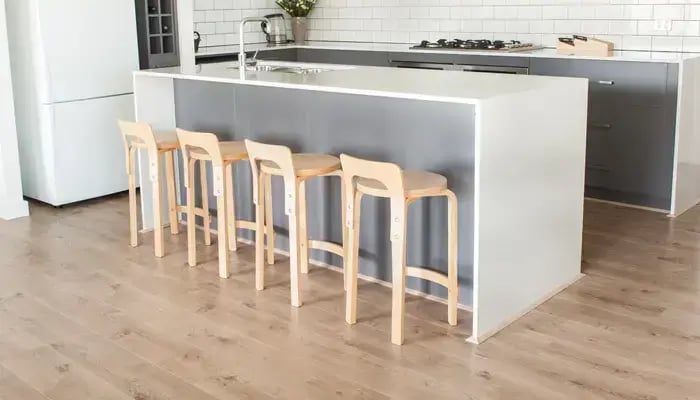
72 63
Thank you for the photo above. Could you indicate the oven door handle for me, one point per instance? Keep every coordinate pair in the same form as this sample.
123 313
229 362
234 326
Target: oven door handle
420 65
491 68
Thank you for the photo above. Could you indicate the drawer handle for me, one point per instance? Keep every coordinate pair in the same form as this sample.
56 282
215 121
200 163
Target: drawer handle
606 83
601 126
598 168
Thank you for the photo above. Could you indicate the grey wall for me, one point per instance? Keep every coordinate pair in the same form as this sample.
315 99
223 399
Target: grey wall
438 137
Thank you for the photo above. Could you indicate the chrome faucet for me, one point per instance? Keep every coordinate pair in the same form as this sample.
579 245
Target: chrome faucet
241 49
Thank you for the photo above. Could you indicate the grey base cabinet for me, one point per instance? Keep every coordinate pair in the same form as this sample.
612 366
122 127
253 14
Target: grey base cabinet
631 127
277 55
345 57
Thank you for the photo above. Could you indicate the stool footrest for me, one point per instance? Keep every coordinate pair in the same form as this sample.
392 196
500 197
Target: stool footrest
428 275
327 246
243 224
197 211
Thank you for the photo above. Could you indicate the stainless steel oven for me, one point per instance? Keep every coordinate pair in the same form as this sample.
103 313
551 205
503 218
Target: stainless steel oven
493 69
420 65
460 67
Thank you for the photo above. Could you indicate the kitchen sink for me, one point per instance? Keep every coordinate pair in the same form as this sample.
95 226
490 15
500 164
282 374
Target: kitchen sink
287 69
293 68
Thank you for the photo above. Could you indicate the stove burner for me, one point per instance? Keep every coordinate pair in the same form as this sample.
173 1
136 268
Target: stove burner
472 44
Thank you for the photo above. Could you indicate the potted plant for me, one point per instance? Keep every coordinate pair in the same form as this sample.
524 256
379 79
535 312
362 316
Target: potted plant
298 10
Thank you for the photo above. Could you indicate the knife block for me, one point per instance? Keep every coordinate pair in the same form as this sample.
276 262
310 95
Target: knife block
591 47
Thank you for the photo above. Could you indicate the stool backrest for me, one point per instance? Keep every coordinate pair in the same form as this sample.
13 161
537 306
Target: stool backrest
139 135
280 155
388 174
209 143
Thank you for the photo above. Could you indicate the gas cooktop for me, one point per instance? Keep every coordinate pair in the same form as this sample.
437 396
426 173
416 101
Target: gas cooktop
479 44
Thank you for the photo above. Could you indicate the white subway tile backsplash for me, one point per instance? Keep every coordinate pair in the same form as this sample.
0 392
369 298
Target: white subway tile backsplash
628 23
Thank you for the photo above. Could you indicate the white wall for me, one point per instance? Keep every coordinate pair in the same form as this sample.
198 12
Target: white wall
217 20
628 23
11 203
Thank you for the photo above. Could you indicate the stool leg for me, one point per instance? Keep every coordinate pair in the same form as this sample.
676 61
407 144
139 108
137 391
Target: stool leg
205 202
222 227
231 205
260 233
191 228
294 247
303 233
133 224
343 206
159 243
398 268
269 223
452 267
172 201
351 261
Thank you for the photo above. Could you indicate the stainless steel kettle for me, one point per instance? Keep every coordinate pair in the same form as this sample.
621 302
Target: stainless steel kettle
276 30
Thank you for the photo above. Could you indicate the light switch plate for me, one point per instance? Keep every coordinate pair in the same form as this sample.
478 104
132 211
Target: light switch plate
664 25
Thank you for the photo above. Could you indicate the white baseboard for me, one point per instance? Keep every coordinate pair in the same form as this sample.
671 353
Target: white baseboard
616 203
483 337
16 209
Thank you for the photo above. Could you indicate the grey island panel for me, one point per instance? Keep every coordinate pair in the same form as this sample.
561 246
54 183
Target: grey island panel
437 137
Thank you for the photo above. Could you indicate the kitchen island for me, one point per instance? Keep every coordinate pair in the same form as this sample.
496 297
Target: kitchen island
643 143
512 147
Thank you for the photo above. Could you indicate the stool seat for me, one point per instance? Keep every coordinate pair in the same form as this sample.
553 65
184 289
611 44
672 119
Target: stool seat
230 151
166 141
416 184
305 165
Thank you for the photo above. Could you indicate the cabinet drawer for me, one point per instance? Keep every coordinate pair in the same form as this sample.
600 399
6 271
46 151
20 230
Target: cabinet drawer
644 149
614 82
598 177
459 59
600 157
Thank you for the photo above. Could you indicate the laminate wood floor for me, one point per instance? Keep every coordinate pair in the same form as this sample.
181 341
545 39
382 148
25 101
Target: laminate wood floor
84 316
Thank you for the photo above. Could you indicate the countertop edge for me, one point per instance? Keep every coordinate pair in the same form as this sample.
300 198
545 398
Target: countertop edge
625 55
329 89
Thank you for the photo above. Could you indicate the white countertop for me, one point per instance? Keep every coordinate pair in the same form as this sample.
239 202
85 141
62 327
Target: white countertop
428 85
648 56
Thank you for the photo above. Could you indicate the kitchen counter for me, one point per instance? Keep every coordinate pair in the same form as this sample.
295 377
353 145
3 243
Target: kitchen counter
512 149
444 86
647 56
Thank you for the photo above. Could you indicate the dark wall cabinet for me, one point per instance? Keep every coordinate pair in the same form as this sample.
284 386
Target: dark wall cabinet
156 21
631 127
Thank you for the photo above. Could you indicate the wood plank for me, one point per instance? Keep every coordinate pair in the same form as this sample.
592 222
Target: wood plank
129 325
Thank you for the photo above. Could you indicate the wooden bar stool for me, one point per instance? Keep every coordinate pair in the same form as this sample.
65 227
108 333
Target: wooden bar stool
140 136
205 147
387 180
295 169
